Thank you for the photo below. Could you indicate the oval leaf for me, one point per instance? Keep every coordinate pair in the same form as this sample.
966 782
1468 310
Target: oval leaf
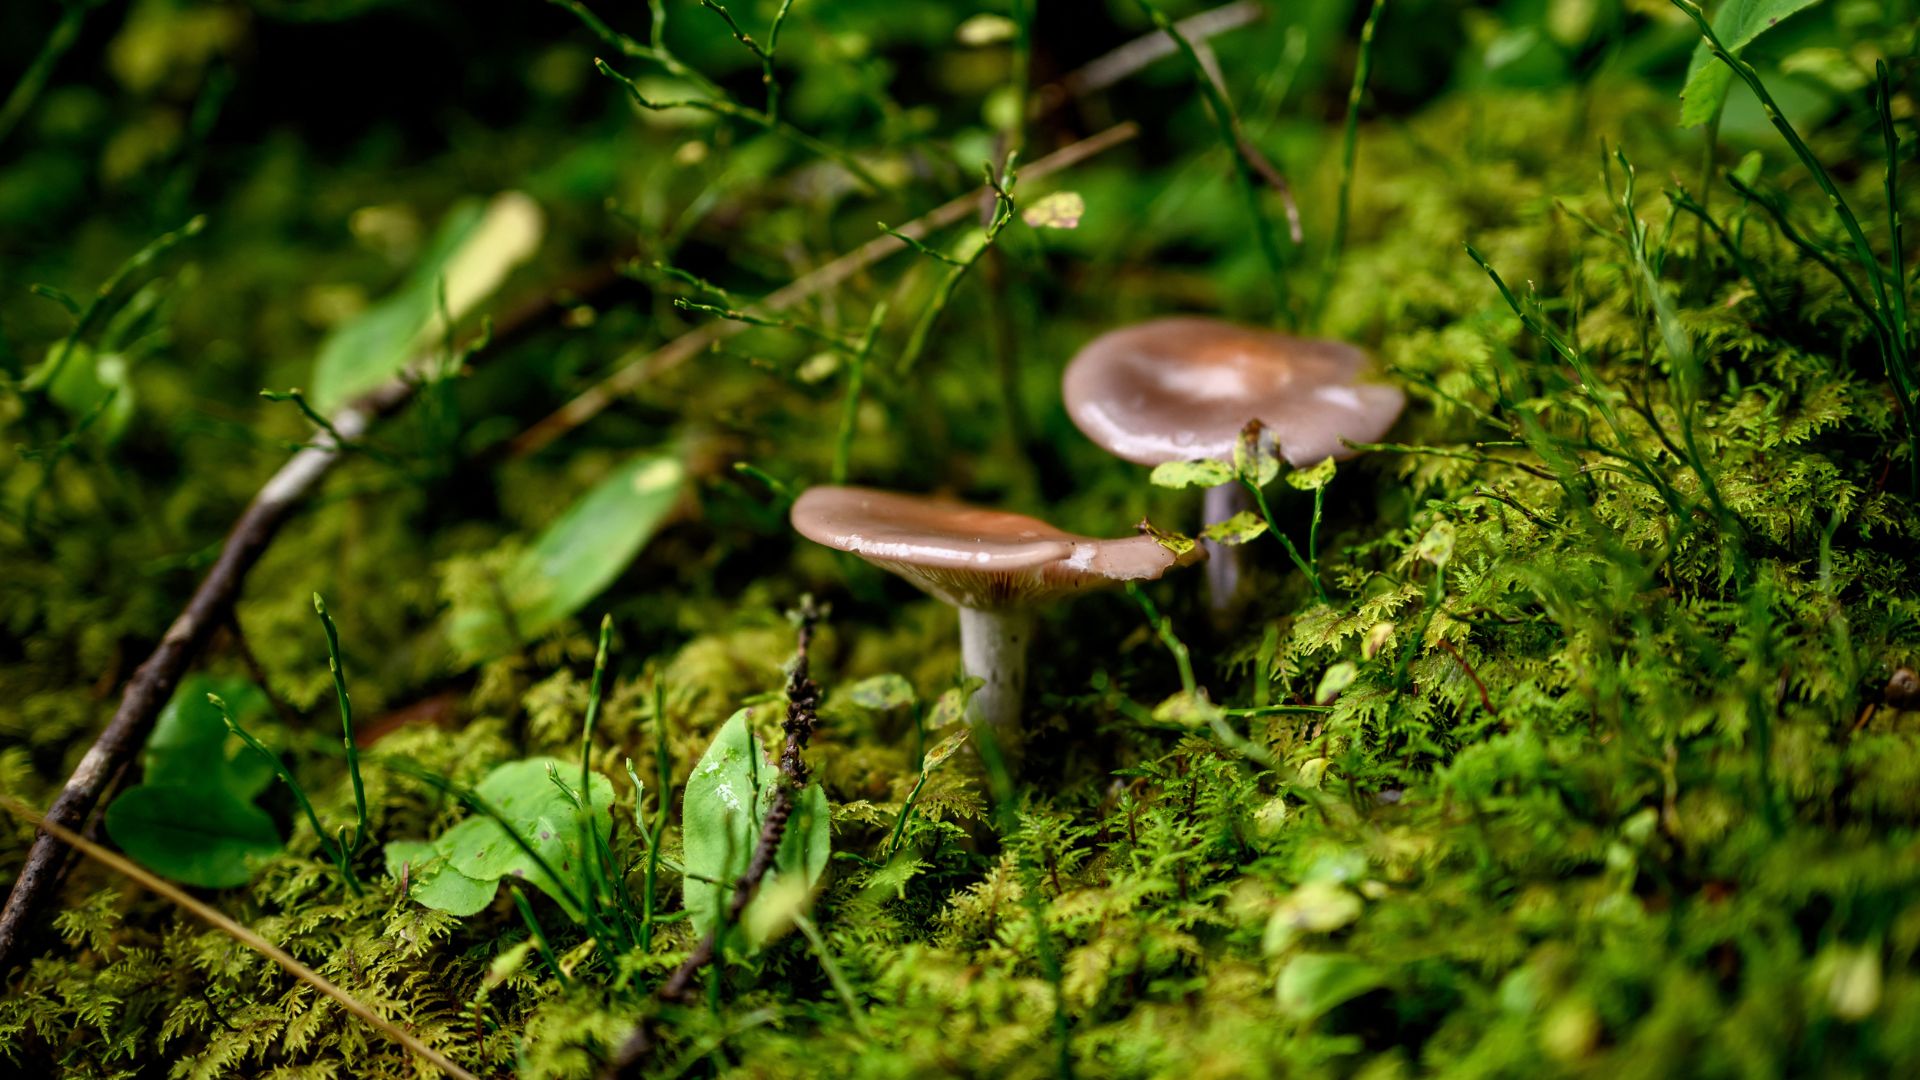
194 834
579 555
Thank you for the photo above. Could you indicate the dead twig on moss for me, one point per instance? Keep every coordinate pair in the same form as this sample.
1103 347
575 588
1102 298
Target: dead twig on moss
243 934
209 608
803 702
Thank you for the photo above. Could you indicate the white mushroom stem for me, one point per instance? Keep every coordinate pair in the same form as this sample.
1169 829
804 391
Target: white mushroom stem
993 648
1223 562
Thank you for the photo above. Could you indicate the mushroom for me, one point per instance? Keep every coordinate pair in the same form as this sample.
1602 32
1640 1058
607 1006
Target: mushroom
1183 389
989 565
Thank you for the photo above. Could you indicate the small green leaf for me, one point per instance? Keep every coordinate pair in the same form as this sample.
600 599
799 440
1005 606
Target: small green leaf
1172 541
542 815
985 29
1182 474
882 693
433 883
194 834
1254 461
1236 530
472 253
1060 210
1736 23
1335 679
1312 479
1437 546
951 706
1312 983
579 555
944 750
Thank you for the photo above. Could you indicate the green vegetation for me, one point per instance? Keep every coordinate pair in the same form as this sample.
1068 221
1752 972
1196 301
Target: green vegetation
1573 731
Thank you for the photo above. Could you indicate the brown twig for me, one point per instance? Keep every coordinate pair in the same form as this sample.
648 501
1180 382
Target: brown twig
1485 701
638 372
803 701
243 934
155 680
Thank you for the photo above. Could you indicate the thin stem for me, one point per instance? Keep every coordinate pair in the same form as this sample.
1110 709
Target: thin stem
1305 567
1349 147
1228 123
850 407
346 722
336 850
838 978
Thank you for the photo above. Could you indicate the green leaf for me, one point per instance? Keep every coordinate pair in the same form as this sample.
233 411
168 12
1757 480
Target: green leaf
721 812
579 555
718 823
1335 679
1312 479
195 834
433 882
938 754
190 742
83 383
882 693
1236 530
1436 546
473 251
1253 458
1183 474
1312 983
1736 23
542 815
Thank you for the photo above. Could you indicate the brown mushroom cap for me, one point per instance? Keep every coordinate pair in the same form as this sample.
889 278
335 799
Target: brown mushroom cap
1182 389
971 557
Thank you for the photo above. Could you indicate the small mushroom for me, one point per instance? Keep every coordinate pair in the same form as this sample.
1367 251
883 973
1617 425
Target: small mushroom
1182 389
990 565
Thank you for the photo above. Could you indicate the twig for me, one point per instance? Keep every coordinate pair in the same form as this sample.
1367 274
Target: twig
1123 62
636 373
1485 702
803 701
226 925
154 682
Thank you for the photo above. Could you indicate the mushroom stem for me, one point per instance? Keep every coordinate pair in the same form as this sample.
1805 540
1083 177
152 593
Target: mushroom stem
993 648
1223 562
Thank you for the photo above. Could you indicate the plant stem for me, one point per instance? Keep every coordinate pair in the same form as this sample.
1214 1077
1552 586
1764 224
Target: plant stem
1349 147
346 723
1223 501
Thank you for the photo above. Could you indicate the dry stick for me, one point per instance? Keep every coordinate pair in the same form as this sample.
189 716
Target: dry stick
154 682
226 925
803 699
632 375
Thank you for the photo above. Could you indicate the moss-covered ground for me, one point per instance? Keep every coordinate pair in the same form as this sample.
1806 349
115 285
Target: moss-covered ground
1594 763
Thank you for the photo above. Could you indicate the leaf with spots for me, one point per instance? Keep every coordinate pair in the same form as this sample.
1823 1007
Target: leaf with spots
724 804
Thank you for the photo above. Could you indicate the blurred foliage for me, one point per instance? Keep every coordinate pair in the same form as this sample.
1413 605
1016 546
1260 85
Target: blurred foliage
1603 783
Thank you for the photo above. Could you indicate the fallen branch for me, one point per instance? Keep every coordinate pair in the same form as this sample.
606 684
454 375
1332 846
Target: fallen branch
803 699
243 934
635 373
210 607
